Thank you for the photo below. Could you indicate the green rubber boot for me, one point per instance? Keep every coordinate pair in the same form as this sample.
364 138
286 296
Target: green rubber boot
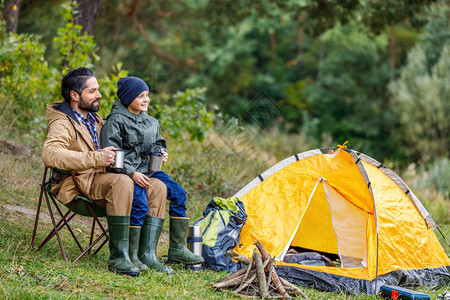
119 261
135 232
178 253
150 232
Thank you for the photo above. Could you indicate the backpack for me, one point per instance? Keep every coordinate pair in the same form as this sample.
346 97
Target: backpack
221 225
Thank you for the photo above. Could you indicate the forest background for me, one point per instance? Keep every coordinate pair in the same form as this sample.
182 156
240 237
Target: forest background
240 85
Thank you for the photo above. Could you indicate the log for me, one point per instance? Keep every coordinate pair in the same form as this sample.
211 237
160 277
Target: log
262 250
276 280
293 288
238 257
249 268
261 276
234 275
250 279
269 277
232 282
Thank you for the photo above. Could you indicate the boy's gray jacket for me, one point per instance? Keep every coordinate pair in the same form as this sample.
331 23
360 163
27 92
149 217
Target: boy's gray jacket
136 135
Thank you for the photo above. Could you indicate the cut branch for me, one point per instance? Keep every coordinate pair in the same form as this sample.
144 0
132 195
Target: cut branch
258 278
250 280
231 282
293 288
248 269
238 273
261 276
238 257
275 278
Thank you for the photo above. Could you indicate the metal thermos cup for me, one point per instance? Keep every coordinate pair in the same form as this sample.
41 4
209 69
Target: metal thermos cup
194 243
118 162
155 162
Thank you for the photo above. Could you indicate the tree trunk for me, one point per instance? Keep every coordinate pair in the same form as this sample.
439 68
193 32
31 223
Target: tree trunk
392 42
86 15
11 14
272 42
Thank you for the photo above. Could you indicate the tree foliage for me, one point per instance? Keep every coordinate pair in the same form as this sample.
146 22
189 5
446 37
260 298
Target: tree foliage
325 64
421 100
347 100
420 96
26 79
29 81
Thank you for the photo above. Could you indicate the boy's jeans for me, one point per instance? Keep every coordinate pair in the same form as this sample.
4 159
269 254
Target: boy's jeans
139 207
175 193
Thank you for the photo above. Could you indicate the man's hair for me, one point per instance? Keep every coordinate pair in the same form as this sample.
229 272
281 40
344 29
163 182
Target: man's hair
75 80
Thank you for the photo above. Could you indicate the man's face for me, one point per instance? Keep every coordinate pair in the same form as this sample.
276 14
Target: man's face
90 96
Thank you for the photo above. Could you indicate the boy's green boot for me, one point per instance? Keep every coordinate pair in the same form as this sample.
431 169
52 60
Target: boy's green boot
150 232
178 253
119 260
135 232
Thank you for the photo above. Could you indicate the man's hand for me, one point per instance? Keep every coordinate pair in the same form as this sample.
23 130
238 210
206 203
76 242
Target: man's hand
110 155
140 179
165 156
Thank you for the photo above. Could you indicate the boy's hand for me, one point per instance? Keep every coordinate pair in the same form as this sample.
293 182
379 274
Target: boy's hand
140 179
165 156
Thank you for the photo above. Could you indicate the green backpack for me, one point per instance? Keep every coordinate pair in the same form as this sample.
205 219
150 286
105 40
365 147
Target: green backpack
221 226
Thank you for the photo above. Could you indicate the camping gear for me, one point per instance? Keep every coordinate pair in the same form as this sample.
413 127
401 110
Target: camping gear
308 258
155 161
221 225
80 205
118 162
345 204
396 292
194 243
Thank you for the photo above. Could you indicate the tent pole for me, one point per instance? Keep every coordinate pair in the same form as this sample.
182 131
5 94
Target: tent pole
376 270
448 244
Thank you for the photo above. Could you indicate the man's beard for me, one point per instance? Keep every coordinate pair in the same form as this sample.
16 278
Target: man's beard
89 107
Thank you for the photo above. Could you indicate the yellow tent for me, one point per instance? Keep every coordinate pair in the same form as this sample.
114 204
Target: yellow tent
346 204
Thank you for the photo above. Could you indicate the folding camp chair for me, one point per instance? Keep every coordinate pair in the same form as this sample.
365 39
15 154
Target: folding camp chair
80 205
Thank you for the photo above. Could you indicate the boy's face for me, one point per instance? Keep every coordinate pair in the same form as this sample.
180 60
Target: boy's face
139 104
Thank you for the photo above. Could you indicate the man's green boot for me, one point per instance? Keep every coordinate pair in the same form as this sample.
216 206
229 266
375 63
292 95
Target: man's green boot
150 232
178 252
135 232
119 261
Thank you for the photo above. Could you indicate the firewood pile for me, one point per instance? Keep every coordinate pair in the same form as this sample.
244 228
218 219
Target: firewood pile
258 278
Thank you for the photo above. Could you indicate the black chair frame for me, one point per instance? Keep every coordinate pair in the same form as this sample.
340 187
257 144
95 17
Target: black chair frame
53 206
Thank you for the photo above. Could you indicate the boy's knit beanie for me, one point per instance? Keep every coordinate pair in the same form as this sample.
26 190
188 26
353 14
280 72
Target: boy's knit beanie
128 88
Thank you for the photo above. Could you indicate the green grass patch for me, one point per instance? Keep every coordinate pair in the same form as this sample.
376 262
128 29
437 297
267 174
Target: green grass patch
206 169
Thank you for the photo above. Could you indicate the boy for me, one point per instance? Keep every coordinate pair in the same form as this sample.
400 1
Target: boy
128 127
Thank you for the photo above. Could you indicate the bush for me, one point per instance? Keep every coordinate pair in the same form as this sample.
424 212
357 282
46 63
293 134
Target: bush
26 79
188 113
430 184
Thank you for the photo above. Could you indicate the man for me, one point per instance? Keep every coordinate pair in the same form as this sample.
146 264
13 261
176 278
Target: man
72 144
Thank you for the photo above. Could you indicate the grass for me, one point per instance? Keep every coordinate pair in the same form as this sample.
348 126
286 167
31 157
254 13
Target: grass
27 274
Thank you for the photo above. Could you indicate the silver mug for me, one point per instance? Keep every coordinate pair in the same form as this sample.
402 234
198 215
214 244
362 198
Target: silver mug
155 162
118 162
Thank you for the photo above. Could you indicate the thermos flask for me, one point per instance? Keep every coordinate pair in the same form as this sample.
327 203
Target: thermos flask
194 243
